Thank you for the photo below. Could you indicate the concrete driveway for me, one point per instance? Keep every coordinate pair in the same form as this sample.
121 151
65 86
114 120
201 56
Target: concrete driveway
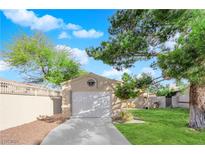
86 131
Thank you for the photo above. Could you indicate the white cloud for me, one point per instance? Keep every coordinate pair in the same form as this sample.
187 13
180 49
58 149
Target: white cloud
47 22
92 33
115 74
3 65
63 35
30 19
148 70
62 47
81 55
76 53
73 26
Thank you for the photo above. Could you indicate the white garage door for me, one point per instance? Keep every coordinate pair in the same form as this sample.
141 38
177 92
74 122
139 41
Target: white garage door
91 104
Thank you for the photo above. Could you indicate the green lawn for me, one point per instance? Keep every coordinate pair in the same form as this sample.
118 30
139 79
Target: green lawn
162 126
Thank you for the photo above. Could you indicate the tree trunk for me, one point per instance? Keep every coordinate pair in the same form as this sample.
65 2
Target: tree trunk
197 107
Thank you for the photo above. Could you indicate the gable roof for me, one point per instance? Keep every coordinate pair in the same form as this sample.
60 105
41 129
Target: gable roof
90 74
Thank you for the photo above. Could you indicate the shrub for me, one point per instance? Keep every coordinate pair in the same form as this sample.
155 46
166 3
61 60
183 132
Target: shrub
125 116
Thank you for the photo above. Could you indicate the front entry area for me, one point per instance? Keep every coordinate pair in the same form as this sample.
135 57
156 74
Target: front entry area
91 104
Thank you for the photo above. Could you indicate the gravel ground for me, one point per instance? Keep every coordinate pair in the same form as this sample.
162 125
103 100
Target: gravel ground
30 133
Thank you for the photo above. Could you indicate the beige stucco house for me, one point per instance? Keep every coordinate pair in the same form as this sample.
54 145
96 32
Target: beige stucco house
90 95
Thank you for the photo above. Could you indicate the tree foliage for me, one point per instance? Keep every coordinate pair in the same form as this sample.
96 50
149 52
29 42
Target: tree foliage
38 59
165 90
187 60
138 34
142 34
132 86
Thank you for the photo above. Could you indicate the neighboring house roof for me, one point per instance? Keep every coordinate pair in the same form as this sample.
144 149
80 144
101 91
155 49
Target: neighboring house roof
89 75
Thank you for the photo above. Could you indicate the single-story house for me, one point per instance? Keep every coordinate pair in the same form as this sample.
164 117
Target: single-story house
90 95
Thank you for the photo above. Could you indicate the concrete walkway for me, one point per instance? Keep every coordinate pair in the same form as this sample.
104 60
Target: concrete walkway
86 131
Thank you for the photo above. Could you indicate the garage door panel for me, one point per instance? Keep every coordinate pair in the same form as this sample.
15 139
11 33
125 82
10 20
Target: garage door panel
91 104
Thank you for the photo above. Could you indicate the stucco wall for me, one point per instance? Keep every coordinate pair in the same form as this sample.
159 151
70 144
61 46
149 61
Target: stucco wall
140 103
19 109
101 84
183 98
180 101
183 105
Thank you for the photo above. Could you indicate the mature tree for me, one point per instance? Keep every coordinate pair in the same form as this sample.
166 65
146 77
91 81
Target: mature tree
187 61
143 34
40 61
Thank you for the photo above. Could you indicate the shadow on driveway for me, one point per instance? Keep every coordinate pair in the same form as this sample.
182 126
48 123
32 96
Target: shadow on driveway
85 131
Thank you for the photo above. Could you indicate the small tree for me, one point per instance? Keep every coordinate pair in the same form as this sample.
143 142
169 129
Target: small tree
127 89
38 59
132 86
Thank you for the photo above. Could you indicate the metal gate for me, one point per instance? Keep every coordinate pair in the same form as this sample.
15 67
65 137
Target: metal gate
168 101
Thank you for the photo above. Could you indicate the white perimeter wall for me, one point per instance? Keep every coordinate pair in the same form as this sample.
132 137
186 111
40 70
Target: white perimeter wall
20 109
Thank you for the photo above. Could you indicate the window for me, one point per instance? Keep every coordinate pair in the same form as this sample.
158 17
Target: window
91 82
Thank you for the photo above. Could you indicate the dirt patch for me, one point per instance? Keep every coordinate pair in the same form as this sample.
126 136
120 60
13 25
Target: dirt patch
31 133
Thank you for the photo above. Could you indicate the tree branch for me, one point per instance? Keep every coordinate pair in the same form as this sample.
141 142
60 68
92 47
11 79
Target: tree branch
152 54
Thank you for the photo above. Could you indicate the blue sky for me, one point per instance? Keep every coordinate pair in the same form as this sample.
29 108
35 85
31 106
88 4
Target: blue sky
72 29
